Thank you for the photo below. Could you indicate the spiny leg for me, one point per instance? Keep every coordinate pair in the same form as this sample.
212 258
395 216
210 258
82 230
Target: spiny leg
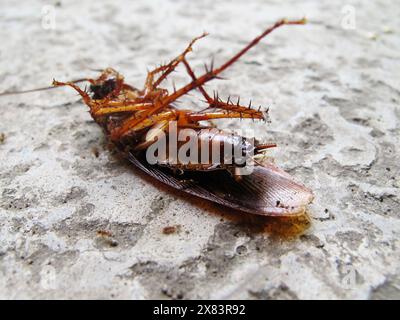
95 105
149 83
135 123
104 105
212 74
124 108
202 116
161 103
217 103
193 76
104 74
174 63
131 122
231 111
230 106
168 68
86 98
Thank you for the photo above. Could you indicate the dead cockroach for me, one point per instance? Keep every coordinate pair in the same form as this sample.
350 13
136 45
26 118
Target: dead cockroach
136 120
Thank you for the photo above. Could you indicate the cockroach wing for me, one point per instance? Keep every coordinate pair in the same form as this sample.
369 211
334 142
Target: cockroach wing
267 191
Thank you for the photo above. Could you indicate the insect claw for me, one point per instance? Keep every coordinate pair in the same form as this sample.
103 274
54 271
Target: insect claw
250 104
238 101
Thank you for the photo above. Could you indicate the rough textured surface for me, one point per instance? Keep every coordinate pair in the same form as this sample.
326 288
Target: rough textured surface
78 222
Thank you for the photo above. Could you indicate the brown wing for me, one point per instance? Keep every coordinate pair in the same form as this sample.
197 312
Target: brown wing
268 191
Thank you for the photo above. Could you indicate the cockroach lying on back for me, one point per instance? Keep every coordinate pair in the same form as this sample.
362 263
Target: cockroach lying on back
138 120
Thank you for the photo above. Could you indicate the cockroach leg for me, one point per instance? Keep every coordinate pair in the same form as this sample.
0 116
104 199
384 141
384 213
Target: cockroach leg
149 84
131 122
213 73
161 102
217 103
202 116
168 68
169 115
124 108
142 121
86 98
193 76
174 63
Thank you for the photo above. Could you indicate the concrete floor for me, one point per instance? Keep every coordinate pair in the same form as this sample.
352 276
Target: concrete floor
333 89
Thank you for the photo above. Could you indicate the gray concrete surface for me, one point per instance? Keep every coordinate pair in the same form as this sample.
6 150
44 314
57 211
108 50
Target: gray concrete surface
333 91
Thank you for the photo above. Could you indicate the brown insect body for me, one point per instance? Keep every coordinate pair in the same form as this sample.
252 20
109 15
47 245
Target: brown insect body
137 140
128 115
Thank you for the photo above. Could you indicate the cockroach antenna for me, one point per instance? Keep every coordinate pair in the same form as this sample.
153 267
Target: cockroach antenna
9 93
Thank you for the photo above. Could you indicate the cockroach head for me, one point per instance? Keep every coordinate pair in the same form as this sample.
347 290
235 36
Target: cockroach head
103 89
105 84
